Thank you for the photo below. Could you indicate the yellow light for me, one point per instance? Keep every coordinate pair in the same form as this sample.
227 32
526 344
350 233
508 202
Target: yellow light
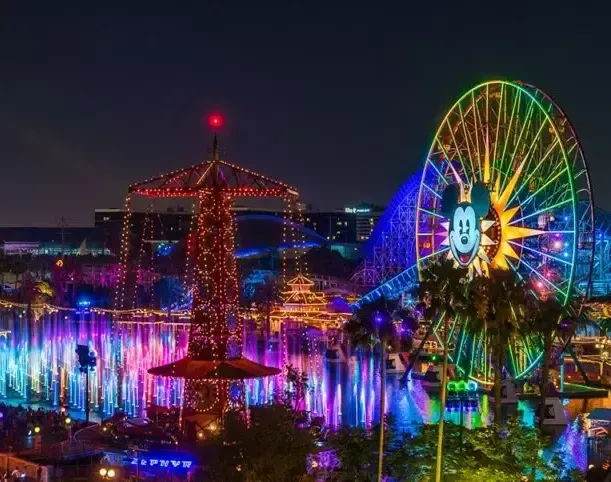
111 473
36 429
68 420
103 472
200 434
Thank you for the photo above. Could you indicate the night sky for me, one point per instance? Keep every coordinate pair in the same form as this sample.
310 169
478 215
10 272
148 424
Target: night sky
340 99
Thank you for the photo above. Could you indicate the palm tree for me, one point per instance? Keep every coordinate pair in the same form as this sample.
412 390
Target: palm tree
371 325
497 306
548 318
41 293
441 295
582 320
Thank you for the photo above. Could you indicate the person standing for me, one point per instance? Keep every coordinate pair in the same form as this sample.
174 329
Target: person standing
16 474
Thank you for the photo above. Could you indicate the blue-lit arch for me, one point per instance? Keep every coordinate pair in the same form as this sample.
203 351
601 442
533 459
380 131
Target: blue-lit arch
266 235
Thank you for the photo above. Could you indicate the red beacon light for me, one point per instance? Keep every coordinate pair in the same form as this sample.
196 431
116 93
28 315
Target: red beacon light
215 121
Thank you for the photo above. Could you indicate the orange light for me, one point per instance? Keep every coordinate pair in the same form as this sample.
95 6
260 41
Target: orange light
59 263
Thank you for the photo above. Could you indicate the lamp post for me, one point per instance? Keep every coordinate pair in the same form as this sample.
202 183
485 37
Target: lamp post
462 397
68 422
378 319
87 360
107 474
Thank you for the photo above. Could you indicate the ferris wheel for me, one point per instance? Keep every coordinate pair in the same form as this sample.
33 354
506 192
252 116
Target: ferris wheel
505 186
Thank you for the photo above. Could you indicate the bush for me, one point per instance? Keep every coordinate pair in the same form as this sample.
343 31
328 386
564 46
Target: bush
486 454
271 449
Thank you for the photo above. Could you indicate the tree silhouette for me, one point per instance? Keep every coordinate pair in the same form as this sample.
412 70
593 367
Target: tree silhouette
441 298
372 325
498 307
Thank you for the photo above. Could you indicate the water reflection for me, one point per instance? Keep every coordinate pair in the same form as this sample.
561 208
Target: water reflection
348 393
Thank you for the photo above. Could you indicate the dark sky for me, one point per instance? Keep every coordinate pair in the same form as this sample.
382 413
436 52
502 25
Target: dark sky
338 98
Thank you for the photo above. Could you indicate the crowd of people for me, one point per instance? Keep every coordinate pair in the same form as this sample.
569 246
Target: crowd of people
23 427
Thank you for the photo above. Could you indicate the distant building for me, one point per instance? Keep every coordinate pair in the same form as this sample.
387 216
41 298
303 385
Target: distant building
39 241
351 225
342 229
366 217
259 230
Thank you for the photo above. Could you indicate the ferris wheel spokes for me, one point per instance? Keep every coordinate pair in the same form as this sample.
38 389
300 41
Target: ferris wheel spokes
517 142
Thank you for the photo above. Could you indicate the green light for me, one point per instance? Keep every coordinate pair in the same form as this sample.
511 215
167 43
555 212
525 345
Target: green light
525 121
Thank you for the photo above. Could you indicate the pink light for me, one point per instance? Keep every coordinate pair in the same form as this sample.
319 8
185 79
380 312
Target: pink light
539 284
558 245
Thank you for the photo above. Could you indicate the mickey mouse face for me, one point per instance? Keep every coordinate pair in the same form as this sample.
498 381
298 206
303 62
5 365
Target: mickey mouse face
465 221
465 234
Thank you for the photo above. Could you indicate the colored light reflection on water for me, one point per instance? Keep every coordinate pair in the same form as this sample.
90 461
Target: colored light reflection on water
348 393
38 363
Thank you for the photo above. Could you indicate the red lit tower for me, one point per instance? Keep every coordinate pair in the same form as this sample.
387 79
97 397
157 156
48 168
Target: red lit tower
214 361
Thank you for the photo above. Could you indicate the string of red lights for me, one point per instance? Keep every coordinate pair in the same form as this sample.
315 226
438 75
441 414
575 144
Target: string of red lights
215 324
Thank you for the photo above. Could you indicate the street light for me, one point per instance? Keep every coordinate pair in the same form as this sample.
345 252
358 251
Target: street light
107 474
87 360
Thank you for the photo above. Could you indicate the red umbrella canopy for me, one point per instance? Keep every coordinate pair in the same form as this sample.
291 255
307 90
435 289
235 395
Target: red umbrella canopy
236 369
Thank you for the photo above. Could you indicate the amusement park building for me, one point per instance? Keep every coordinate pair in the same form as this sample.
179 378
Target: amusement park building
352 225
259 232
45 241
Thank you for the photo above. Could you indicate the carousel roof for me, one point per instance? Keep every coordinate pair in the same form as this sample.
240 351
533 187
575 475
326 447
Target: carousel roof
236 369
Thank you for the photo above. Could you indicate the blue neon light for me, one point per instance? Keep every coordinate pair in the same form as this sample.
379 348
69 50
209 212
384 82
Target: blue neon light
162 463
164 249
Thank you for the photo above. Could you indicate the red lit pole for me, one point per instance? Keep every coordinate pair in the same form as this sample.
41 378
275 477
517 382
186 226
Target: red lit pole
216 328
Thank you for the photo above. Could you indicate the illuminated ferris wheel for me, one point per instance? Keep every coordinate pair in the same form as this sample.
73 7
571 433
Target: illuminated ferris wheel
505 186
